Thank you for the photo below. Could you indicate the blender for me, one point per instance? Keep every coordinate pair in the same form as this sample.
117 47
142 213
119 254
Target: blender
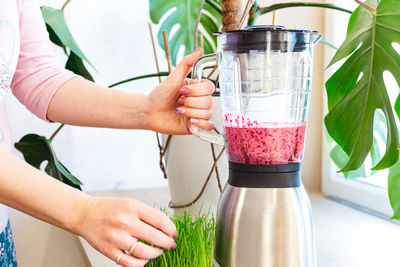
264 216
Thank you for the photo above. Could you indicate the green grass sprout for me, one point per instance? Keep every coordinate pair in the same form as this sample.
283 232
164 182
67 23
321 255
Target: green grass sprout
195 242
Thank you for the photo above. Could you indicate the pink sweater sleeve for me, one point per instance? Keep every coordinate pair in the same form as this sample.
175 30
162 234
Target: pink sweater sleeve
38 74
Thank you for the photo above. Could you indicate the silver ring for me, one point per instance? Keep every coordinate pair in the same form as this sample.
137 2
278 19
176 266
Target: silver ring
119 258
133 247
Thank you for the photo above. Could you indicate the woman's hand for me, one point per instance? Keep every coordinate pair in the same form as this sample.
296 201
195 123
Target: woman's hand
113 226
175 105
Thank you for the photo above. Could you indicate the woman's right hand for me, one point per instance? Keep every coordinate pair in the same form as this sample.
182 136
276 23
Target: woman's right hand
113 226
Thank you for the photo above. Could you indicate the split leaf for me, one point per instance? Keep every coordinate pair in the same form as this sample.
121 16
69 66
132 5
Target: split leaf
37 149
394 189
60 33
75 64
340 158
357 89
184 15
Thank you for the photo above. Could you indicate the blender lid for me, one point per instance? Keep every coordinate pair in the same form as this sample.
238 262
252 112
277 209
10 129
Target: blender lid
269 28
267 37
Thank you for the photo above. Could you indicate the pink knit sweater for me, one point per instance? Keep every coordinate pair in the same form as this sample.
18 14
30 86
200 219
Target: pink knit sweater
27 66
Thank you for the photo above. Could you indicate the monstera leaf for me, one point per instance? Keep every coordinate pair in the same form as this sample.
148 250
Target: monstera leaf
394 189
60 35
340 158
59 32
184 15
357 89
75 64
37 149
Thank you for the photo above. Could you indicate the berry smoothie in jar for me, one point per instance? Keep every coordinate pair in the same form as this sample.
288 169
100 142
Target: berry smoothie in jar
254 142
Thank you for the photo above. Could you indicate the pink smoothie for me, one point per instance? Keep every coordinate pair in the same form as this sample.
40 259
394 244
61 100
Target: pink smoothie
252 142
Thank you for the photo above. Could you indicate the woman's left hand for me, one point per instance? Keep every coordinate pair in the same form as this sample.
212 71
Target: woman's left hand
175 105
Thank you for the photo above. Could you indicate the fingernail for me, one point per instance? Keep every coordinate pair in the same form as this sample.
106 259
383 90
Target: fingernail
181 101
174 246
194 121
180 110
184 91
160 252
175 235
197 50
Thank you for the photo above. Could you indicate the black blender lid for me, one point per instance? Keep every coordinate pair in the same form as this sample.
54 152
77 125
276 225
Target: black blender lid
268 28
267 37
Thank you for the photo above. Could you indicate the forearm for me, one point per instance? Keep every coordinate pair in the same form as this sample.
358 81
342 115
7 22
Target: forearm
83 103
29 190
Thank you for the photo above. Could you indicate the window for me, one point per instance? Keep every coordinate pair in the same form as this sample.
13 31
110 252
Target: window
370 192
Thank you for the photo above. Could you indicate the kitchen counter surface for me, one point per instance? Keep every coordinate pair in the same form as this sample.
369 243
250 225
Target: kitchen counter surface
345 237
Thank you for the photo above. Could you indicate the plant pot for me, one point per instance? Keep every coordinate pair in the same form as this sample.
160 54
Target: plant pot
189 161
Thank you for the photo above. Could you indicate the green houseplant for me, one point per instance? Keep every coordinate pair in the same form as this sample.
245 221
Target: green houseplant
360 110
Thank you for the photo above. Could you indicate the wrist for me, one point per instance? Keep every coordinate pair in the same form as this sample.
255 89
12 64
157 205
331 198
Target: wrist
151 114
135 112
146 113
76 221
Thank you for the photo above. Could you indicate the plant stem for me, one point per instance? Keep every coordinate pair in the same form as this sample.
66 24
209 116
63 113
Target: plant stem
163 73
245 12
175 206
201 37
265 10
56 132
196 27
215 6
65 4
328 44
216 168
274 17
366 6
161 149
154 51
113 85
167 52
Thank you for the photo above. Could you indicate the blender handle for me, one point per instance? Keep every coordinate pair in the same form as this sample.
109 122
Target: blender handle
197 71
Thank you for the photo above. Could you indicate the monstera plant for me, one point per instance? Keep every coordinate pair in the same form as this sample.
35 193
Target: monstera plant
185 17
360 111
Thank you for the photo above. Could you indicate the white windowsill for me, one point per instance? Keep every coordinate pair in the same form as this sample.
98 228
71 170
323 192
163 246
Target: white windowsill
345 237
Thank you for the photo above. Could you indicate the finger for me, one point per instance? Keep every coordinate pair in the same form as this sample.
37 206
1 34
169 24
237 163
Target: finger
198 102
184 67
206 87
204 114
140 250
144 251
153 235
204 124
127 261
157 219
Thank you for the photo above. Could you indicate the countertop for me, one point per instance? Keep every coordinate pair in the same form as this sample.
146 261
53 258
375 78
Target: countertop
345 237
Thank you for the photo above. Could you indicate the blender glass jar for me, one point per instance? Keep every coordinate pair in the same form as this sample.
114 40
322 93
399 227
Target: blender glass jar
265 83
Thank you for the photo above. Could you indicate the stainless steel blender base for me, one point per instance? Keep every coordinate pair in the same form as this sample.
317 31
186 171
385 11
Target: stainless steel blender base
264 227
